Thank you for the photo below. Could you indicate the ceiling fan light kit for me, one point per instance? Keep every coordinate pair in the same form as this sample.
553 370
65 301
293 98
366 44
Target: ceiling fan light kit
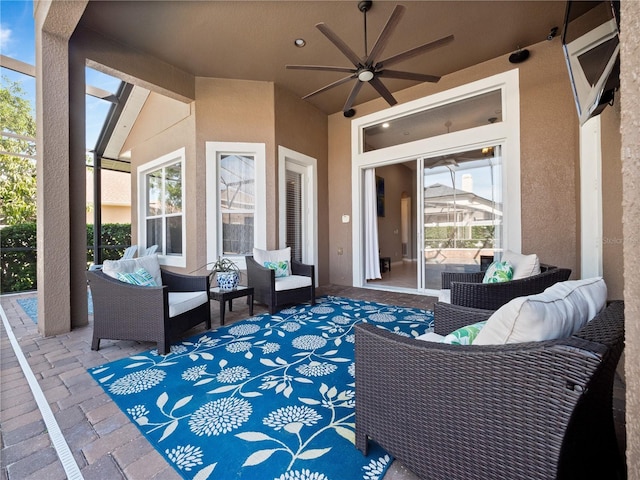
368 69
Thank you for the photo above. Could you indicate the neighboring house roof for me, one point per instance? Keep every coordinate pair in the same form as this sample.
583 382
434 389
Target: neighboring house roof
116 188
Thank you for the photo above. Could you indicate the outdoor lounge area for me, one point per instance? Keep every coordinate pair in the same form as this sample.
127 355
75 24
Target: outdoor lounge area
444 148
102 440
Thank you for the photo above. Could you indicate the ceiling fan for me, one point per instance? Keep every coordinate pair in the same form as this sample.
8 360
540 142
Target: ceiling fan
369 69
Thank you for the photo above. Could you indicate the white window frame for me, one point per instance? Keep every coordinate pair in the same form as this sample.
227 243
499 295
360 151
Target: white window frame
591 233
141 172
213 151
505 133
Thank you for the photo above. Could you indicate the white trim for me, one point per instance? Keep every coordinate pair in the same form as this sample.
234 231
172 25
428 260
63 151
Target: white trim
310 166
61 446
213 150
505 133
173 157
591 199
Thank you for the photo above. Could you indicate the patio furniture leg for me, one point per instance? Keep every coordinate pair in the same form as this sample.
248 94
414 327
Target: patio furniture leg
222 305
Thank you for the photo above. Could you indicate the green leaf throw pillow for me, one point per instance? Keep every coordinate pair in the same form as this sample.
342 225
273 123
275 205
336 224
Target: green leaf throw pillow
498 272
465 335
140 277
281 268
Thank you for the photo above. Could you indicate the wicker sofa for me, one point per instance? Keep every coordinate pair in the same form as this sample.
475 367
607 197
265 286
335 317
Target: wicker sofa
468 290
538 410
130 312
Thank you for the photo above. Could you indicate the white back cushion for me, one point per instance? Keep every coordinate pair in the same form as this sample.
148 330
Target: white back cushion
444 295
282 255
558 312
523 265
150 263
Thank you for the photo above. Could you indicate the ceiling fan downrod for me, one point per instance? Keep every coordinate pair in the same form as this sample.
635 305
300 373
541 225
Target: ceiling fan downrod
364 6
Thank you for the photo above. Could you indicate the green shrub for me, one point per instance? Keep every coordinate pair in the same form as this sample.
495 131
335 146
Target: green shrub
18 252
18 258
116 237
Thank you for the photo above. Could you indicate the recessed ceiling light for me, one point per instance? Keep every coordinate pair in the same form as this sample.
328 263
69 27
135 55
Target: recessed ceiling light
299 42
385 125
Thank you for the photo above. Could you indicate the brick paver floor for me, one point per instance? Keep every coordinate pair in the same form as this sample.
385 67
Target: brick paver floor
104 444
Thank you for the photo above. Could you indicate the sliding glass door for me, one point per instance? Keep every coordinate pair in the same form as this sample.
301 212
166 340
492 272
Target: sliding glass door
461 215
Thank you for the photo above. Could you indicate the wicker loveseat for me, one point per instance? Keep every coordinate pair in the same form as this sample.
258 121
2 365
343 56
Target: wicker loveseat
468 290
538 410
130 312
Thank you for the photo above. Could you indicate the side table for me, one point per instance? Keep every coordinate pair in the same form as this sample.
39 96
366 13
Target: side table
224 296
385 264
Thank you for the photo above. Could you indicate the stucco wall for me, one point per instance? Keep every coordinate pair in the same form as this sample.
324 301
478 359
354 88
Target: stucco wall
397 179
630 107
150 147
236 111
549 157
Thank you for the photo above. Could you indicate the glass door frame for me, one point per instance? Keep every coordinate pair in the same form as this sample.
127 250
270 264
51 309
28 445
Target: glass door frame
505 133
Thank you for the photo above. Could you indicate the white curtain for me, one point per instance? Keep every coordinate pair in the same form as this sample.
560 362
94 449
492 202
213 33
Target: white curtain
371 248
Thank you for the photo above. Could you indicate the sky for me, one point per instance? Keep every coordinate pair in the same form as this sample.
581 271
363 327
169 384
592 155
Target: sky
17 40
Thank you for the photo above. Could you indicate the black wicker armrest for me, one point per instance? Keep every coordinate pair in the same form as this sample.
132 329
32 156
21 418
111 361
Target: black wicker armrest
177 282
491 296
298 268
472 277
448 318
259 277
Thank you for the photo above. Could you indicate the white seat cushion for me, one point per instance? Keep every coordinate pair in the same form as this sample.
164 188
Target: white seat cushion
180 302
558 312
431 337
291 282
445 295
523 265
282 255
149 263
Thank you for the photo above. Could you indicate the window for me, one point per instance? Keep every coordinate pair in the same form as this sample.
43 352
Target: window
162 220
236 200
237 203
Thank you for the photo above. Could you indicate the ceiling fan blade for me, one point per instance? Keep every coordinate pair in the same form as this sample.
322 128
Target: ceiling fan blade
382 90
388 29
352 96
331 85
337 41
321 68
414 51
408 76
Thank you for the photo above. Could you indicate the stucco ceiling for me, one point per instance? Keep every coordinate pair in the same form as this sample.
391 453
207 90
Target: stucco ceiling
255 40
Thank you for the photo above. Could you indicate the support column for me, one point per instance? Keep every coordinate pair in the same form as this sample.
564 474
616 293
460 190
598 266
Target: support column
58 264
630 119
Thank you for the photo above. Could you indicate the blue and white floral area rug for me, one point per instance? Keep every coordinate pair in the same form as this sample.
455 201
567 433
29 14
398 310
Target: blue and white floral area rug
270 397
30 306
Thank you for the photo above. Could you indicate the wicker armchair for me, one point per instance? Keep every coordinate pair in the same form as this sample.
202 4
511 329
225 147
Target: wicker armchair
129 312
263 281
539 410
468 290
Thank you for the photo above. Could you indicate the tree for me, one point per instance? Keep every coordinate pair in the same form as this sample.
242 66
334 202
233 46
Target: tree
17 172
